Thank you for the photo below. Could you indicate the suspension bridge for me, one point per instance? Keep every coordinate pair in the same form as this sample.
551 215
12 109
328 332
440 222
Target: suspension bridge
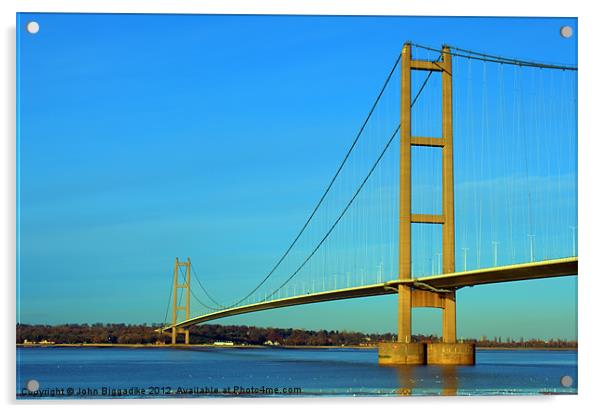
483 160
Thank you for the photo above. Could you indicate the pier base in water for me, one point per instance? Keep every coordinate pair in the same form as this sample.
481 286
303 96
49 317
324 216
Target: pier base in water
422 353
401 353
450 353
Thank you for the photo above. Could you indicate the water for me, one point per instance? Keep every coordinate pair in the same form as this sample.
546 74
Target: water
166 372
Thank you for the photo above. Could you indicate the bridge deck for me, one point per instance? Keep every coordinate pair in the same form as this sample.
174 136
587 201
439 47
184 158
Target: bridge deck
528 271
518 272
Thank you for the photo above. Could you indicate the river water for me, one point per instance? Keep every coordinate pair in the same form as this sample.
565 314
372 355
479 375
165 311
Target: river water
77 372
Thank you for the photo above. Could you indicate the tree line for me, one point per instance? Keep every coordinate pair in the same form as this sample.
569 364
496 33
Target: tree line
209 333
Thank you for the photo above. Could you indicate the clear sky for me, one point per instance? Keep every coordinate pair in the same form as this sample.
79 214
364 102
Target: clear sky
146 137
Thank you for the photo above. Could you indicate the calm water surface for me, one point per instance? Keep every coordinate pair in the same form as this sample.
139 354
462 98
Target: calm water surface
223 372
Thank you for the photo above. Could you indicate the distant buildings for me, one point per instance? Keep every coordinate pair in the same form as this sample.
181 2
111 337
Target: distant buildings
43 342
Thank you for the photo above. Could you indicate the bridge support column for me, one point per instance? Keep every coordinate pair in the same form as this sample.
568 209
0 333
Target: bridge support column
176 331
185 286
449 317
403 351
404 314
450 352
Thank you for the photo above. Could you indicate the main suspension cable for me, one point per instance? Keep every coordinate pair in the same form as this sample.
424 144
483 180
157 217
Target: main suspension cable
388 144
194 295
340 216
328 188
203 288
469 54
322 198
168 304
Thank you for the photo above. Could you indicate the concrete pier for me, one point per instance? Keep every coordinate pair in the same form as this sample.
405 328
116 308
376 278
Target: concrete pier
401 353
450 353
423 353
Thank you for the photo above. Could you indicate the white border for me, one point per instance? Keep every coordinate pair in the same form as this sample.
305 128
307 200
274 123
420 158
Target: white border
590 342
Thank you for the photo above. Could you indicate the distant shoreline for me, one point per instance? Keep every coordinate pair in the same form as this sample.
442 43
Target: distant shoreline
242 336
243 346
250 346
530 348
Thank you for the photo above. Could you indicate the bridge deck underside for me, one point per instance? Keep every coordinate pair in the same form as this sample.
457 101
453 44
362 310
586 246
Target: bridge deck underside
528 271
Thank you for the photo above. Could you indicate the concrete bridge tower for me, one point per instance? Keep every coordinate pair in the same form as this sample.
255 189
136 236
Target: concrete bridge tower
405 351
185 286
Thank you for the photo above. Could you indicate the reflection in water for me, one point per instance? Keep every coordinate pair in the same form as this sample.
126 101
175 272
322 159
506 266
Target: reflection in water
407 380
409 377
449 376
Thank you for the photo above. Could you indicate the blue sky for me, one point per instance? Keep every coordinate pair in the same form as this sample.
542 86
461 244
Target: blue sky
146 137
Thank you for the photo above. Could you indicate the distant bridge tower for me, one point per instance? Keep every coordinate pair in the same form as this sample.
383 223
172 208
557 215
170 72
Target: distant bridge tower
404 351
185 286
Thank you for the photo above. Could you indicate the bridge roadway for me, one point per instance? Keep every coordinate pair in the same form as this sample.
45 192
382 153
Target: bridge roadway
445 282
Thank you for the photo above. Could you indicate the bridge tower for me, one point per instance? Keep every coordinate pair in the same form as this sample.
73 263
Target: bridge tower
185 286
405 351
